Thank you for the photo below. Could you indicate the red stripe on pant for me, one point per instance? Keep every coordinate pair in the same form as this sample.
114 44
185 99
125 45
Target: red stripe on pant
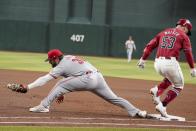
162 86
171 95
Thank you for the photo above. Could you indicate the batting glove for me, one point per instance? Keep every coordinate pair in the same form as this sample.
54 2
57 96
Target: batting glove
141 63
193 72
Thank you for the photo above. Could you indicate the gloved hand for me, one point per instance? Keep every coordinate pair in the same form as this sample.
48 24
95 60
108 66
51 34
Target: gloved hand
17 87
141 63
193 72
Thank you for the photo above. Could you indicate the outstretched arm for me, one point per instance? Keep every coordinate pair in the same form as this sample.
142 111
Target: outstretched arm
150 47
147 51
40 81
24 89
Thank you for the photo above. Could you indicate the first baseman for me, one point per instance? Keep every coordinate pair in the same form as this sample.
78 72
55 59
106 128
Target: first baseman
78 75
169 43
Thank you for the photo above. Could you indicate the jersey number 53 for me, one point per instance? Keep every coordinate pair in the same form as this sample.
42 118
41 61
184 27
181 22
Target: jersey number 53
168 42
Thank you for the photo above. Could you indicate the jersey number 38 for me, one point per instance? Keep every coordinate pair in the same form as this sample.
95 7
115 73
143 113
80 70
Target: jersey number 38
78 59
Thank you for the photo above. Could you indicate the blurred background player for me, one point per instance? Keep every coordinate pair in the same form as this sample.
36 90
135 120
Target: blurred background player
78 75
130 46
169 43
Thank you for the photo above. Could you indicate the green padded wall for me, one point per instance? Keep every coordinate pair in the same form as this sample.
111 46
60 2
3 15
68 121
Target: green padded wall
79 39
23 36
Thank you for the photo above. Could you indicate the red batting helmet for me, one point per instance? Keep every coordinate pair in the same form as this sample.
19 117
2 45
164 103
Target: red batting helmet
187 23
53 54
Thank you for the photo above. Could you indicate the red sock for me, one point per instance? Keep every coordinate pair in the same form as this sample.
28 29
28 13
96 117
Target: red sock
162 86
171 94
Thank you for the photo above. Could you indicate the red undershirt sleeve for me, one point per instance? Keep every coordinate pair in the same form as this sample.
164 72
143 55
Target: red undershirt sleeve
188 51
189 58
150 47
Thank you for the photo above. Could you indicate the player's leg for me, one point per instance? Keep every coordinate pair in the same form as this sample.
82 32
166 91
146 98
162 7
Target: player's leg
57 91
163 86
128 55
106 93
175 76
157 91
63 86
171 95
47 101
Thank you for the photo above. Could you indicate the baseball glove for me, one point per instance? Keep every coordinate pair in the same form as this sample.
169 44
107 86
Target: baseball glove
17 87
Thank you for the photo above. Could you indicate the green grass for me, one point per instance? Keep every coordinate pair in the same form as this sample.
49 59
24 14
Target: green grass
116 67
23 61
34 128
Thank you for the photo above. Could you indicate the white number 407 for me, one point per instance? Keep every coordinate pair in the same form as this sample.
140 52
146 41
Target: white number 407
77 38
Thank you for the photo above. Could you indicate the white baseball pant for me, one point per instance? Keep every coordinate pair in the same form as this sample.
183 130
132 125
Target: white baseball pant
129 54
170 69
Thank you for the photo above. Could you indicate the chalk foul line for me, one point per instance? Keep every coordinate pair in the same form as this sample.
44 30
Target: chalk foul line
87 123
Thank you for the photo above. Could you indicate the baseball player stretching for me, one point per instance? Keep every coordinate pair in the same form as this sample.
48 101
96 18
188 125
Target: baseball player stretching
79 75
130 46
169 43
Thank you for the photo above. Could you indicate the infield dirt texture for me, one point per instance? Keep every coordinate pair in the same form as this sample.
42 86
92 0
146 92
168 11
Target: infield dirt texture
88 110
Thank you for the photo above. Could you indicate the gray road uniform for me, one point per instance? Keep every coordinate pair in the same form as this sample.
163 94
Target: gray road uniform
130 46
80 75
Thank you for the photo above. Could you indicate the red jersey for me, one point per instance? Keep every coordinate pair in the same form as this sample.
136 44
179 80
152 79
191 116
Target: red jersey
169 43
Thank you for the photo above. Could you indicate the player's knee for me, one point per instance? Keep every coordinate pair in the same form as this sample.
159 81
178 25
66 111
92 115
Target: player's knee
177 90
179 85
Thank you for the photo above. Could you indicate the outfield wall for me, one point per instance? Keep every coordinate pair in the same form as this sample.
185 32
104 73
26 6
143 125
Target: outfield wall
89 27
79 39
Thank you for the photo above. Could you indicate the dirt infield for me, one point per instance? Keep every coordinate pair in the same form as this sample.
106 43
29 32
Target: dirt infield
86 109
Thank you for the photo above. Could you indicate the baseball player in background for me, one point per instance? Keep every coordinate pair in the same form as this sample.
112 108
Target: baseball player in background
78 75
130 46
169 43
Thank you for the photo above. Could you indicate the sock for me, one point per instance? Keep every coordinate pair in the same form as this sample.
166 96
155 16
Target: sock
162 86
171 94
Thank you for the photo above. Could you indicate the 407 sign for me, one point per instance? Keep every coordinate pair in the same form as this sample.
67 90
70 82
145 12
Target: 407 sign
77 38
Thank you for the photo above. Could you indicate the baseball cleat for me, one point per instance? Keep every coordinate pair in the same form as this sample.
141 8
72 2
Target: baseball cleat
155 98
161 109
39 108
141 114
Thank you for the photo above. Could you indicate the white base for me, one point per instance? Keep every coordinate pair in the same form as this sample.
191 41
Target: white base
168 118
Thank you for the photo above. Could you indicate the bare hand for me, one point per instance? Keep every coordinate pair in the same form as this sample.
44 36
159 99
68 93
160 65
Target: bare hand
60 99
